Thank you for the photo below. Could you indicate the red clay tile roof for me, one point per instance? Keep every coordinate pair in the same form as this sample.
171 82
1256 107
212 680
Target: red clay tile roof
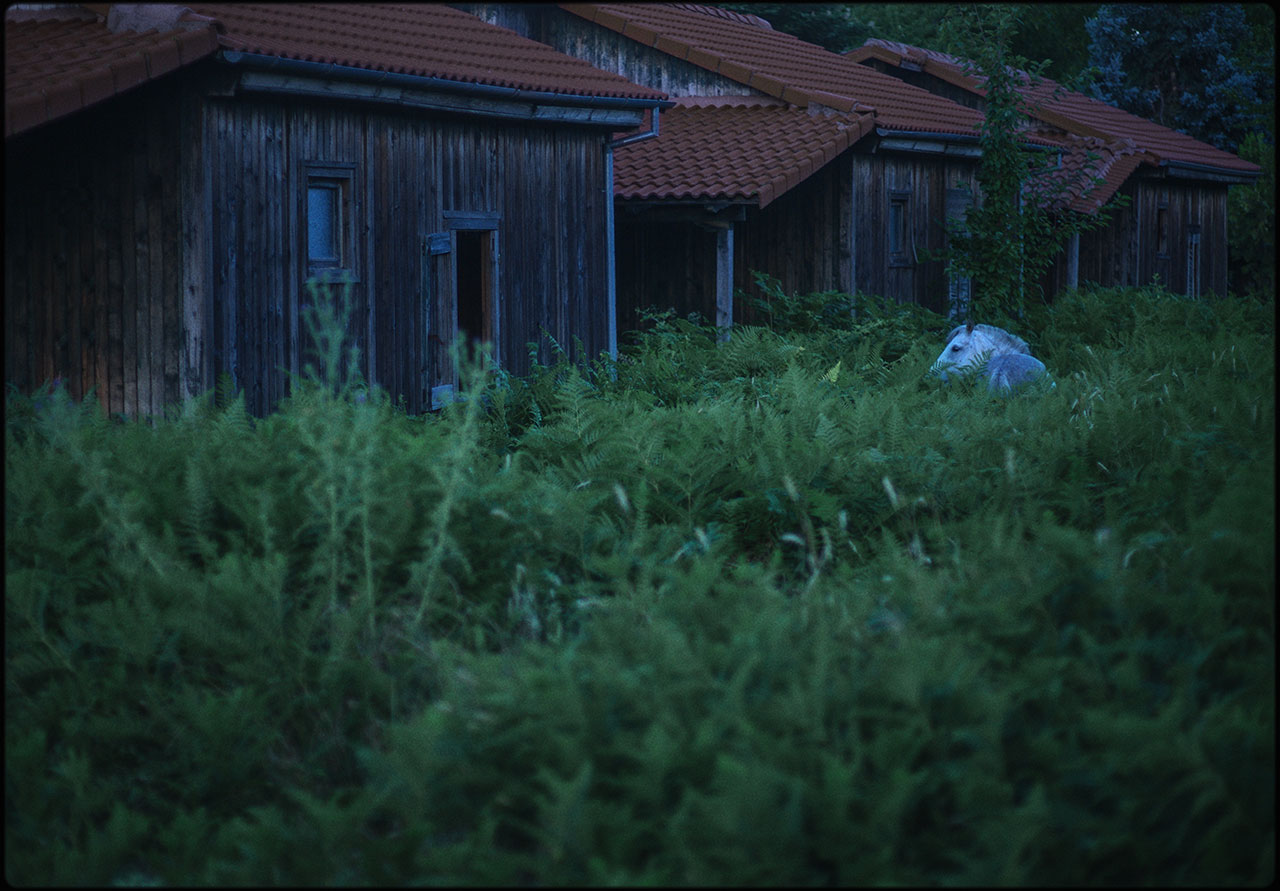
745 148
423 39
61 60
779 64
1070 111
744 17
57 62
1094 169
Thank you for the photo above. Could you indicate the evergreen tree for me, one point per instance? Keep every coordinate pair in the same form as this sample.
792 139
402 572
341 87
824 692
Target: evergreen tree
1197 68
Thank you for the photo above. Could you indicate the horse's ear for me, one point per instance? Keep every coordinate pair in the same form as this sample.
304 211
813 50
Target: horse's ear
968 327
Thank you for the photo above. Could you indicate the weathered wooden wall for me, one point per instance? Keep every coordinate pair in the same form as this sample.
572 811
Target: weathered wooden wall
541 186
93 259
663 265
803 239
926 178
174 251
605 49
935 85
1124 252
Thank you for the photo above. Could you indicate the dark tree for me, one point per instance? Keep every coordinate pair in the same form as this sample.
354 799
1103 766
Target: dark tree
1197 68
826 24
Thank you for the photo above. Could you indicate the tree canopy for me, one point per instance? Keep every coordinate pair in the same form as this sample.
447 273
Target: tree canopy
1200 68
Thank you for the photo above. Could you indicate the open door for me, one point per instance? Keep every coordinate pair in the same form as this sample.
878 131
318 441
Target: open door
463 308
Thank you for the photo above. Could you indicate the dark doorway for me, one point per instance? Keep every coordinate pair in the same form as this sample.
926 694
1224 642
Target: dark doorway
473 264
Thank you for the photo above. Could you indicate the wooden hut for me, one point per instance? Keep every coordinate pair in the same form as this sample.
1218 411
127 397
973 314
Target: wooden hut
176 176
1175 226
779 156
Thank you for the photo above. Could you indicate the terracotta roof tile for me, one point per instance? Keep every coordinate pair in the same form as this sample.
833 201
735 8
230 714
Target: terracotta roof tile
428 40
54 60
57 64
672 47
740 49
1093 169
1071 111
738 148
744 17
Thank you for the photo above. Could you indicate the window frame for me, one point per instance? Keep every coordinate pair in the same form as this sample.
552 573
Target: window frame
899 226
340 176
1162 230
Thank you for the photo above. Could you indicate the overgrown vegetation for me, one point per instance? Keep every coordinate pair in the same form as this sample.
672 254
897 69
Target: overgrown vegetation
1020 221
784 610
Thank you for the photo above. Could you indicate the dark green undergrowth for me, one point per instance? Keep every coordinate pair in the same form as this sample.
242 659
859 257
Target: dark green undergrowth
783 610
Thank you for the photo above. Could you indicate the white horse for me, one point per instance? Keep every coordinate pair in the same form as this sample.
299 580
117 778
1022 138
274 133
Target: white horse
1008 358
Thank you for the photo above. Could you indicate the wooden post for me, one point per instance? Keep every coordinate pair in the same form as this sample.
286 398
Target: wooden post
724 280
1073 262
611 283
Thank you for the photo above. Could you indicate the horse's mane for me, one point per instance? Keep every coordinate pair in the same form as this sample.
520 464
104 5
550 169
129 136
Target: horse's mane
1004 341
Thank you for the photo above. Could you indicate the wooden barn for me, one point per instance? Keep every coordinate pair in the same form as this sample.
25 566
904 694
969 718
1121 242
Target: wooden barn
175 176
778 156
1175 226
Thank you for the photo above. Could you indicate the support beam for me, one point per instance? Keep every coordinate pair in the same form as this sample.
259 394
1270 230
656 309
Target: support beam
1073 262
724 281
611 269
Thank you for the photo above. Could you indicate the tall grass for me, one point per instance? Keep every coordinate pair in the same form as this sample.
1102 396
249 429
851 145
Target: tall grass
782 610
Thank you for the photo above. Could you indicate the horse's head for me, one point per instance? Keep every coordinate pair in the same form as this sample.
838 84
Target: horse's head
967 345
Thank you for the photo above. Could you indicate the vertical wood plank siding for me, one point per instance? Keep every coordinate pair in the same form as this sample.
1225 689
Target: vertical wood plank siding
544 184
802 239
1124 253
799 238
605 49
92 254
663 265
926 180
176 251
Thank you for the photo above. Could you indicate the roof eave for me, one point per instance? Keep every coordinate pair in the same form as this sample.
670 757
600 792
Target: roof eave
280 74
928 142
1192 170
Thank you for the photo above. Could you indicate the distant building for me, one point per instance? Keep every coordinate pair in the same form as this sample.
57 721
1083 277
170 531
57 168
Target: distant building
1176 224
778 156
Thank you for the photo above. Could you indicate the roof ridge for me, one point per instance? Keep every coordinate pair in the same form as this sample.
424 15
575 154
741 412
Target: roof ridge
779 64
746 18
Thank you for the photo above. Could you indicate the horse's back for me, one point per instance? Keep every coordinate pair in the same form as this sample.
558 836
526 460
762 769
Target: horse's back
1008 370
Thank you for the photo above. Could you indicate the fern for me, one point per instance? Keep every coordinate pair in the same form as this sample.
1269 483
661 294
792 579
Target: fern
764 596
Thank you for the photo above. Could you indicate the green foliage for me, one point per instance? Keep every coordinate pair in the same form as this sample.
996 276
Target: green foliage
1054 32
1010 237
827 25
704 615
1251 215
1206 69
